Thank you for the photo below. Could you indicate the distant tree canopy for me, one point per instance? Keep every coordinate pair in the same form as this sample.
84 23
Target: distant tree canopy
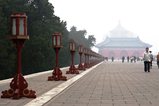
80 37
38 53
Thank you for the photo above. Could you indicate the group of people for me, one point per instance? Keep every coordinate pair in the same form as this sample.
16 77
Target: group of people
132 59
148 58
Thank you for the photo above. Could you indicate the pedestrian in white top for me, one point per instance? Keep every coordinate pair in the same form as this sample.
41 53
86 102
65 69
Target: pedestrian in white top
147 60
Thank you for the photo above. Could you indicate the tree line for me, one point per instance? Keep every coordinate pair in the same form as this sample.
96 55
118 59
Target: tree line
38 54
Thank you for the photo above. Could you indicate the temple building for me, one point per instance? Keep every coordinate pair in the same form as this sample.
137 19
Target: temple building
121 42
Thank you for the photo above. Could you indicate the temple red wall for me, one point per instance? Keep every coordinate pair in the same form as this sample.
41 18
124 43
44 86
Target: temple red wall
119 52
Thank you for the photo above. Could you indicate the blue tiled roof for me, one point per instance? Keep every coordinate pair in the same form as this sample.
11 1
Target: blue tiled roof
122 38
127 42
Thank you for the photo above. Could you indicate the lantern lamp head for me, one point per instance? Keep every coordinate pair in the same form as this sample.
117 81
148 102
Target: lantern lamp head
80 49
72 45
56 40
19 26
85 50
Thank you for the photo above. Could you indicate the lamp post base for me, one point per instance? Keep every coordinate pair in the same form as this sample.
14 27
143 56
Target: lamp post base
57 75
81 67
72 70
18 89
86 65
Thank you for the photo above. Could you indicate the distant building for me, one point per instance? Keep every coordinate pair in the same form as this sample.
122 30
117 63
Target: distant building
122 42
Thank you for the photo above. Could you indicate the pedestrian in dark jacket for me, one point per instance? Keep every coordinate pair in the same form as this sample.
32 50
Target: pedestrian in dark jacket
151 59
157 59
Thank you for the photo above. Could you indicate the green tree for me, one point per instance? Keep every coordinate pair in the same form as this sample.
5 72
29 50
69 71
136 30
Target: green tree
42 24
38 54
7 53
80 37
91 40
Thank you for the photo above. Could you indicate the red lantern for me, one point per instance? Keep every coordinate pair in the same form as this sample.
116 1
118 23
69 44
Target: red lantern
19 26
56 40
72 45
72 69
18 86
85 51
86 58
80 49
57 73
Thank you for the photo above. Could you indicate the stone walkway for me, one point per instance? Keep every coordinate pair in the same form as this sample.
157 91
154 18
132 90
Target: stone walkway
113 84
109 84
37 82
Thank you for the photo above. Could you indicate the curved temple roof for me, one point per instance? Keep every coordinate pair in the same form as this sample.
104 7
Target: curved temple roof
122 38
119 31
123 43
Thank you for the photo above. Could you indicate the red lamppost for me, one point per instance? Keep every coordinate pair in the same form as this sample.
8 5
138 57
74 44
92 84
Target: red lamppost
18 86
90 58
80 50
57 73
86 58
72 69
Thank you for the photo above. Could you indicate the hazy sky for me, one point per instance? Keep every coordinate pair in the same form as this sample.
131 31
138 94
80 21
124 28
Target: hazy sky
99 17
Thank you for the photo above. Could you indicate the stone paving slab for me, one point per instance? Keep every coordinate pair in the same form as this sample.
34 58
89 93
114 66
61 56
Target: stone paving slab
113 84
39 101
109 84
37 82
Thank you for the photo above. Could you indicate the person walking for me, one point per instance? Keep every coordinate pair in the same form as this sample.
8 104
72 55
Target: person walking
112 59
151 59
147 60
123 58
128 59
157 60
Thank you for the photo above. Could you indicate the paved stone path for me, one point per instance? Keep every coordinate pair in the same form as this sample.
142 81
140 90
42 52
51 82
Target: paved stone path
37 82
113 84
109 84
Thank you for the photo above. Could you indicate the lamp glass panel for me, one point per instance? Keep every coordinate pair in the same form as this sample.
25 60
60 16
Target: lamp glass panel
58 41
21 26
54 41
81 49
13 26
70 45
86 51
73 48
